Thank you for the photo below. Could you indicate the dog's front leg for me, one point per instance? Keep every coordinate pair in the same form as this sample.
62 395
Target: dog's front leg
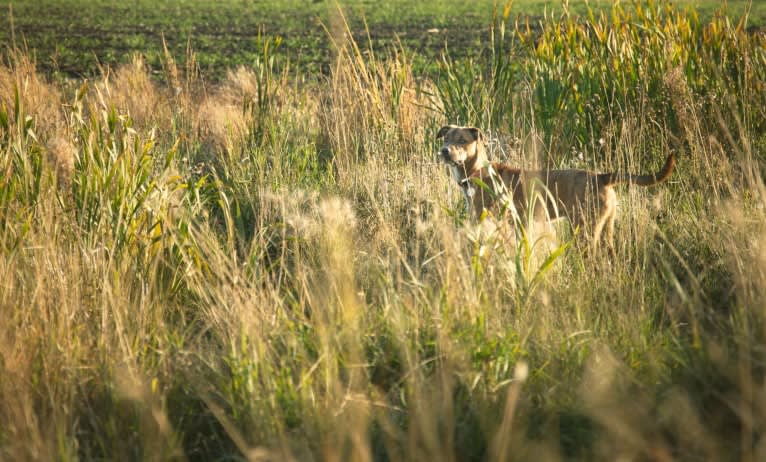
468 192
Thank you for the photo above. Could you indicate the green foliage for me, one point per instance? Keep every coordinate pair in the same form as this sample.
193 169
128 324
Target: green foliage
22 167
263 102
479 91
113 180
584 76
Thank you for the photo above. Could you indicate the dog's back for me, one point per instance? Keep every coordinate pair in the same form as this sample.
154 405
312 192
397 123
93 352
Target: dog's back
522 189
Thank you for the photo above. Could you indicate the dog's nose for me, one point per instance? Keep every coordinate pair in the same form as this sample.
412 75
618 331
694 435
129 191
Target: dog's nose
445 153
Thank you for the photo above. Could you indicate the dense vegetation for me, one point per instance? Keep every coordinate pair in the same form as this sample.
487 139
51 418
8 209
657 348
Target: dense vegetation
276 267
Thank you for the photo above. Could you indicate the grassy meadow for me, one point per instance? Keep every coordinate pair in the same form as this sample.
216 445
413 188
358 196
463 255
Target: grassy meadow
259 261
78 38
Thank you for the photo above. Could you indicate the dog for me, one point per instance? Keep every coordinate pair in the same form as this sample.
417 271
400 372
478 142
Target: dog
587 199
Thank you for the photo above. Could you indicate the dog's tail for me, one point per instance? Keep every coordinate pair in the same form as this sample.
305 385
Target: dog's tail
641 180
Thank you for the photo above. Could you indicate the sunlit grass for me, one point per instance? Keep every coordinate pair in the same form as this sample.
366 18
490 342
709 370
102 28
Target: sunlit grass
276 269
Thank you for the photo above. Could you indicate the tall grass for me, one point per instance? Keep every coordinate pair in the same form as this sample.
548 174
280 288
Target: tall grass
278 269
583 78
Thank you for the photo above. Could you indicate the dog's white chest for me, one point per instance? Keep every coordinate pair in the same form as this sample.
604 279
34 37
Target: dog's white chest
466 186
455 173
468 192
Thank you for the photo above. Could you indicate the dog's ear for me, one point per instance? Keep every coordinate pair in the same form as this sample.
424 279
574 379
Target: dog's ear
477 134
443 131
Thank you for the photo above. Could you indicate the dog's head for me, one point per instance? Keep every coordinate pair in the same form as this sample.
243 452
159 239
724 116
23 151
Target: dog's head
462 145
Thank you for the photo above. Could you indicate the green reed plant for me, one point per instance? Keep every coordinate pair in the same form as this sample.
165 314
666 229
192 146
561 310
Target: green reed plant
22 161
117 170
262 102
26 176
582 75
628 51
480 91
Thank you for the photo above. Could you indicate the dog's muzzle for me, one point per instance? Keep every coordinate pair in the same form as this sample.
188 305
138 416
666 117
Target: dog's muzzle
444 154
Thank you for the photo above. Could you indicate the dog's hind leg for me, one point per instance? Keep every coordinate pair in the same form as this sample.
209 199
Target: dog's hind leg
603 231
605 212
598 230
610 230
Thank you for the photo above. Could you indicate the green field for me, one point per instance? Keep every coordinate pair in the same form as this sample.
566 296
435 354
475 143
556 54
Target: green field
247 250
75 37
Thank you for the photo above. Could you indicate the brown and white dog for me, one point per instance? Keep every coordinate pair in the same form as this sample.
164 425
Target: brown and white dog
587 199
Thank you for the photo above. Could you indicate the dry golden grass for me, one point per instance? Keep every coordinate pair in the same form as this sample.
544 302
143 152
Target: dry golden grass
38 98
314 292
132 92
